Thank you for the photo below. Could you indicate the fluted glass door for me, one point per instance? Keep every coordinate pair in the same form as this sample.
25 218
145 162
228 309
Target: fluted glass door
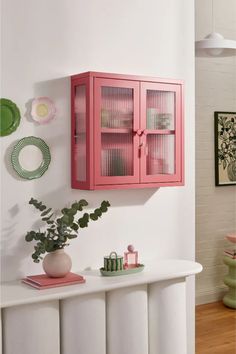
116 118
161 113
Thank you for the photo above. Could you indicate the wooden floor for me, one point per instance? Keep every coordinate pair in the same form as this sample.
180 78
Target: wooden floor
215 329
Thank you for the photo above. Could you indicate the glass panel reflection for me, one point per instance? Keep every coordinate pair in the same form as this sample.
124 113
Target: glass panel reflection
80 132
117 107
160 110
117 154
161 154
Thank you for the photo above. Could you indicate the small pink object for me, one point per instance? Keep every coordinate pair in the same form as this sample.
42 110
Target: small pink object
131 257
231 238
130 248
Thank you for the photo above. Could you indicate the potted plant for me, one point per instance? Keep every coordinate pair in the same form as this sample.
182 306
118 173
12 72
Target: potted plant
58 232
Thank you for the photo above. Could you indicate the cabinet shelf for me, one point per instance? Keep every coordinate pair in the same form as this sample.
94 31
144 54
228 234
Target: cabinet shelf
160 131
128 131
116 130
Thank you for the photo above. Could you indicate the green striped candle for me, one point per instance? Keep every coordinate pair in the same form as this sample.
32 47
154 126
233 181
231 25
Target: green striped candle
113 262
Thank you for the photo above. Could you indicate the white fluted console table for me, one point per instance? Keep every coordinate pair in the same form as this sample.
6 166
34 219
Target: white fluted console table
143 313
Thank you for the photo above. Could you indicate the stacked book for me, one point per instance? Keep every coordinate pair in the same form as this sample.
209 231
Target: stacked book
230 253
42 281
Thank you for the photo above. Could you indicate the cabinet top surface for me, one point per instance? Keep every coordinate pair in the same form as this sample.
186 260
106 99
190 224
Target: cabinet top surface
94 74
16 293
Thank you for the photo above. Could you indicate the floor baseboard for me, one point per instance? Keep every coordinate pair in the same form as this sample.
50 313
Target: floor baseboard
209 296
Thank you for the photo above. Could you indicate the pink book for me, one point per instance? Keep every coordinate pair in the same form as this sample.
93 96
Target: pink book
42 281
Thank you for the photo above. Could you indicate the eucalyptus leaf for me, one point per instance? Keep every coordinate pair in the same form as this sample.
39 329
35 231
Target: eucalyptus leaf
62 238
37 236
72 211
71 236
28 237
75 226
104 209
83 202
47 217
46 212
74 205
98 212
93 216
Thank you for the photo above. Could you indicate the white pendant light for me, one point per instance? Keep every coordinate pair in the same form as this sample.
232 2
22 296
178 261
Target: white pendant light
214 44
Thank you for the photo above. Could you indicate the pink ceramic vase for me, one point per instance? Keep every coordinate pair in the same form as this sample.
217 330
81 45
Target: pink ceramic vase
57 264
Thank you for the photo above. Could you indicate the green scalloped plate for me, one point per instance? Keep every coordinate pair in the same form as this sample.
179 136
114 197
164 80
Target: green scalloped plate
114 273
9 117
40 144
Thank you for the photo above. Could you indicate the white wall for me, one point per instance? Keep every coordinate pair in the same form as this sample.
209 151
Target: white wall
44 42
215 206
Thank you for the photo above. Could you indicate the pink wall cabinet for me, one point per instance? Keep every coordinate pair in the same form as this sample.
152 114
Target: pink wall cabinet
127 131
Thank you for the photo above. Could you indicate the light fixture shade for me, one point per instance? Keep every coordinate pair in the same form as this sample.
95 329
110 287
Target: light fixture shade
215 45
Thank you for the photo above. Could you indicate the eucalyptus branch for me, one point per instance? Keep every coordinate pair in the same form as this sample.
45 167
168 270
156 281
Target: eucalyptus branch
61 229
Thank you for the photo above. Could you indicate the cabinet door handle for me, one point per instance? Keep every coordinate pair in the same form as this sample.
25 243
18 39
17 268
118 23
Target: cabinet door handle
143 149
140 150
139 132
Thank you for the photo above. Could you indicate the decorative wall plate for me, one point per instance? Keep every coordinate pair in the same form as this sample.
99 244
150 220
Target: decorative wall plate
43 166
9 117
43 110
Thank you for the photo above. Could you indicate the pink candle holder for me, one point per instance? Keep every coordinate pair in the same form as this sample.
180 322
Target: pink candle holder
130 257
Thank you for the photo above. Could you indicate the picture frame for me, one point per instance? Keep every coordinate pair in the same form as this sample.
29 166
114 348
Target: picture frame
225 148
